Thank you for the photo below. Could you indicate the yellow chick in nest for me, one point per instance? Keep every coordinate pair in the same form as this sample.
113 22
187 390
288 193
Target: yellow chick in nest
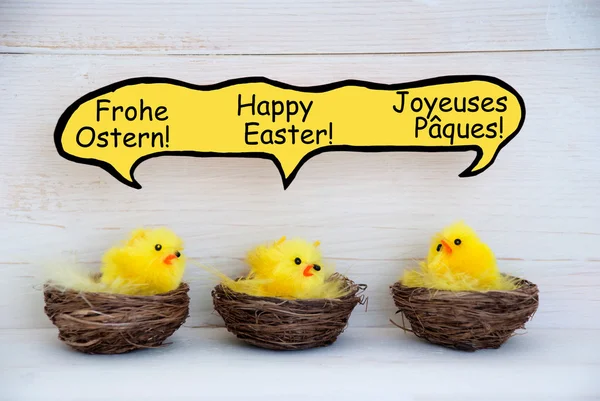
458 261
291 269
149 262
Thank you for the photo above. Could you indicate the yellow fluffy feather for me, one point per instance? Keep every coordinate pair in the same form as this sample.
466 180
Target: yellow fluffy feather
458 261
149 262
291 269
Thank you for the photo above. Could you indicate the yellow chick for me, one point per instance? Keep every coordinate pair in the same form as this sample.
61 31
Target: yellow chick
149 262
291 269
458 261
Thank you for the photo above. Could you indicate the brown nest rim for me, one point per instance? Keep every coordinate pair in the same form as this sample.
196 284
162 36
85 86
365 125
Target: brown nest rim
285 324
466 321
102 323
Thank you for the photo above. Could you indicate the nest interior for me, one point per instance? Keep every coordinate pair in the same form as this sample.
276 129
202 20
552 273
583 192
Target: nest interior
283 324
101 323
466 321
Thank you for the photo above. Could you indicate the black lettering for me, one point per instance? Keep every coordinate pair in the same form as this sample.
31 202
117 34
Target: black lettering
250 132
289 113
476 128
127 110
266 112
157 135
294 131
99 109
306 134
127 138
102 138
115 109
492 130
306 109
433 128
142 136
500 102
412 104
115 134
430 106
276 111
160 110
464 105
462 135
90 142
487 101
321 132
418 126
269 140
143 109
280 136
473 105
449 133
401 108
445 102
241 106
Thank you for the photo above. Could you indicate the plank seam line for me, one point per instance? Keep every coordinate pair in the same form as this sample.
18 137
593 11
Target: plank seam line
340 54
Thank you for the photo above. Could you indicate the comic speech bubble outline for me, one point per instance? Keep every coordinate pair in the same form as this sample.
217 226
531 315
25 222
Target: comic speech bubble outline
287 179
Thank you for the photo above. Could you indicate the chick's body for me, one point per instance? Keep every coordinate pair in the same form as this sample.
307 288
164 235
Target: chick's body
290 269
287 269
458 261
149 262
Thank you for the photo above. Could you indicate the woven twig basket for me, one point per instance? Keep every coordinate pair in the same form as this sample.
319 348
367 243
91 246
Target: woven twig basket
466 321
100 323
282 324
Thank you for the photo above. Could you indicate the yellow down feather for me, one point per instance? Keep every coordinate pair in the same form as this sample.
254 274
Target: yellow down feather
459 261
290 269
149 262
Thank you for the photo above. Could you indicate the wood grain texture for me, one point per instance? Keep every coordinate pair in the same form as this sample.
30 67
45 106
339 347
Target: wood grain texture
370 364
374 213
296 27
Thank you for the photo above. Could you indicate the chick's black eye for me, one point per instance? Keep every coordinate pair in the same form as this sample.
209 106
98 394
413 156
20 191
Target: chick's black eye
457 242
439 247
158 247
297 261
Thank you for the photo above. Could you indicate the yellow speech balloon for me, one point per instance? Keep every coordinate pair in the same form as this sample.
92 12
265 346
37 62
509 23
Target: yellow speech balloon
119 126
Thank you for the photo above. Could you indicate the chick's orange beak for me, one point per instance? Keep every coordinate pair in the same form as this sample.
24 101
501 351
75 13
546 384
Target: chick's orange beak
307 270
446 247
168 260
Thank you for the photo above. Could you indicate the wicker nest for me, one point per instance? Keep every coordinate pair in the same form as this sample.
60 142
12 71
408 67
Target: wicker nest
100 323
283 324
466 321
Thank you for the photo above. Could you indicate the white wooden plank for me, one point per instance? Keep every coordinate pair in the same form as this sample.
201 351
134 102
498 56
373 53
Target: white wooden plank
537 206
381 364
298 27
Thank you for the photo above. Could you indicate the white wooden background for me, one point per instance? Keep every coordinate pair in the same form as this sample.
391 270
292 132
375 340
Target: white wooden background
537 206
